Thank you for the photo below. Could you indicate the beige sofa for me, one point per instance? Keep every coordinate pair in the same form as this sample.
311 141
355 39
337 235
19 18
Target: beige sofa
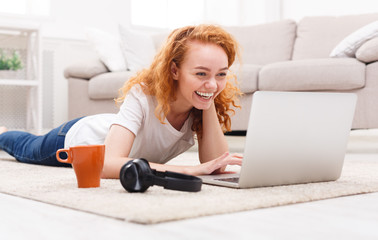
278 56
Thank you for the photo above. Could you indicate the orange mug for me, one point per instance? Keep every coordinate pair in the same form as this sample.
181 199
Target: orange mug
87 161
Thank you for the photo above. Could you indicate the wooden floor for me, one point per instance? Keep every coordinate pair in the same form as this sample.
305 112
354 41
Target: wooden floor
353 217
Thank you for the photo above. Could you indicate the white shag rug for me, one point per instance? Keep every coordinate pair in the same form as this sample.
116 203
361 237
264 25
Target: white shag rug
57 186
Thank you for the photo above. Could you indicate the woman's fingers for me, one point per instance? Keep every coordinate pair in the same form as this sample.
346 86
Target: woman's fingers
233 159
219 164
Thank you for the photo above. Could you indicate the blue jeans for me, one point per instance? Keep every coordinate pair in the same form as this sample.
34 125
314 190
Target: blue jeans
29 148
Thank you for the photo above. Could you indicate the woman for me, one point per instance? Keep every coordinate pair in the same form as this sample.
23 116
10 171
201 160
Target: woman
187 90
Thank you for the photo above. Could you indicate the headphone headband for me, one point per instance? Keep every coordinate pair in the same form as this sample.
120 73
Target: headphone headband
177 181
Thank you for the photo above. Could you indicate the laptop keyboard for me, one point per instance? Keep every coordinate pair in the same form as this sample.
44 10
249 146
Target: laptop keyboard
231 179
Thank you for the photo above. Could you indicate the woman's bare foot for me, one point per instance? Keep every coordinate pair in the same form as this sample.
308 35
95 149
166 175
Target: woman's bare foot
3 129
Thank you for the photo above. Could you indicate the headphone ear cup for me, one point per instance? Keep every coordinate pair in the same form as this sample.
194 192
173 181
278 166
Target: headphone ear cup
134 175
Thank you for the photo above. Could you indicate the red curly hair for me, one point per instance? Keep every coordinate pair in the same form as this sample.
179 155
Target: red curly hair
157 80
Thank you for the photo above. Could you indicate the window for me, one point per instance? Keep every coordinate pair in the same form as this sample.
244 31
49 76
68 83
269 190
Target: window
25 7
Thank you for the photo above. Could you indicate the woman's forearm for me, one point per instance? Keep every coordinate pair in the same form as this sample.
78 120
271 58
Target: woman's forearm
212 144
215 165
112 168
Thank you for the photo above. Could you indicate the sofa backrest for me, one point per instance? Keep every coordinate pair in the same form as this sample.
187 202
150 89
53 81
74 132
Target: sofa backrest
265 43
317 36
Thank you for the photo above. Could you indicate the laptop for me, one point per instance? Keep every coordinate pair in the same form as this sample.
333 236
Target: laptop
293 138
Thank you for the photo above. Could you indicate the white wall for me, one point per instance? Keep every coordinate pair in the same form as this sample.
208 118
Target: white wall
297 9
70 18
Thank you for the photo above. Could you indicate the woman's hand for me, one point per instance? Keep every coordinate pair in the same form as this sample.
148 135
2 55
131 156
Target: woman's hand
218 165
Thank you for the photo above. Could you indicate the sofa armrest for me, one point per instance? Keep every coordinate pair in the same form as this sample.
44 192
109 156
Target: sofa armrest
85 69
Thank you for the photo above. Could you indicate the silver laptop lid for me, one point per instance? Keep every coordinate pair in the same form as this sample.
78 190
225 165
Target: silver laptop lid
296 137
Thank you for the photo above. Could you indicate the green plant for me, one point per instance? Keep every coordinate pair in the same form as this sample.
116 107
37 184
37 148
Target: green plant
10 62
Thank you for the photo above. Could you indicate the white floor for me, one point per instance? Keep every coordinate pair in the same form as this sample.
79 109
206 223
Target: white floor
354 217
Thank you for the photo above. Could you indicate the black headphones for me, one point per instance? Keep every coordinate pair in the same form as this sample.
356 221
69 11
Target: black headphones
136 176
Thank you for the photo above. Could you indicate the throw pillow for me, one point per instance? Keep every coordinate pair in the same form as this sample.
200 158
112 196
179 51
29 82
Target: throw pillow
138 49
108 48
349 45
368 52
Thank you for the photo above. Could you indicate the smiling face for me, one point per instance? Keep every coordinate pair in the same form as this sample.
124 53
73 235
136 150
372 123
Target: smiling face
201 76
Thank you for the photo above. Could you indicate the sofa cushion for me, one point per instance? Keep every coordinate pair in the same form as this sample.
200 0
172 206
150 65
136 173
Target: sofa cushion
160 38
85 69
368 52
106 86
247 75
313 74
256 41
138 48
108 49
349 45
318 36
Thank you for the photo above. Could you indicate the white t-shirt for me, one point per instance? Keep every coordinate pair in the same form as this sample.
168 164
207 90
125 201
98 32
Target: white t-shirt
154 141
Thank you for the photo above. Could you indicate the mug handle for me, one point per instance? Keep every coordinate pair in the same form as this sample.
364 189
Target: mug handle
67 151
